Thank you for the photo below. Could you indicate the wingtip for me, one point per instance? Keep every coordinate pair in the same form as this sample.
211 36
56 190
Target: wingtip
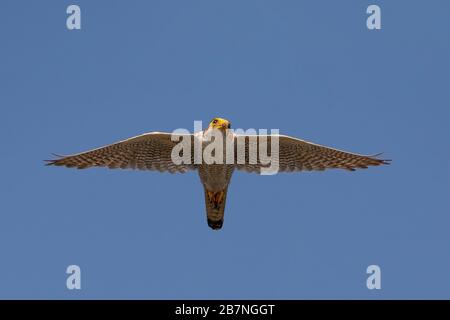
51 162
382 161
48 162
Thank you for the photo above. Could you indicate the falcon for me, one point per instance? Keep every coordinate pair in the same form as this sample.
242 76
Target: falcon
157 151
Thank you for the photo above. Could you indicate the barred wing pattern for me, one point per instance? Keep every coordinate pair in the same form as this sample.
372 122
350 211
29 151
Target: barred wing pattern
299 155
149 151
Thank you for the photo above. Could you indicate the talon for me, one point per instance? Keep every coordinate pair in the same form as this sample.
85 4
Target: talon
216 198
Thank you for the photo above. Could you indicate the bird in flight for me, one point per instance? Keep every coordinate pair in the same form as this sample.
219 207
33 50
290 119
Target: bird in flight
156 151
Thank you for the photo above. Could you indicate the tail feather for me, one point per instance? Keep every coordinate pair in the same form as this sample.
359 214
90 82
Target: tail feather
215 208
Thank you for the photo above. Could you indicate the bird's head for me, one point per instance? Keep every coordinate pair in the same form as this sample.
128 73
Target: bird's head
219 123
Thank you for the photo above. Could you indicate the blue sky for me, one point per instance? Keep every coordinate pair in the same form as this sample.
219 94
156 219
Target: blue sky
310 68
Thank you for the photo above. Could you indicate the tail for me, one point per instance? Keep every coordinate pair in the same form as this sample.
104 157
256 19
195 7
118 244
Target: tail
215 207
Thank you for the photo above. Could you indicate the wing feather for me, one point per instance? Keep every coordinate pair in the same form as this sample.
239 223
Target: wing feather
300 155
149 151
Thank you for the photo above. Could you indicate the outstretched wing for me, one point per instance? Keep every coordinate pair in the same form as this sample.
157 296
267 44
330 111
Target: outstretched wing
149 151
298 155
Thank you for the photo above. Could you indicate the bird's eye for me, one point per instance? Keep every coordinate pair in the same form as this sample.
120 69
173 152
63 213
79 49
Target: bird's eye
215 121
